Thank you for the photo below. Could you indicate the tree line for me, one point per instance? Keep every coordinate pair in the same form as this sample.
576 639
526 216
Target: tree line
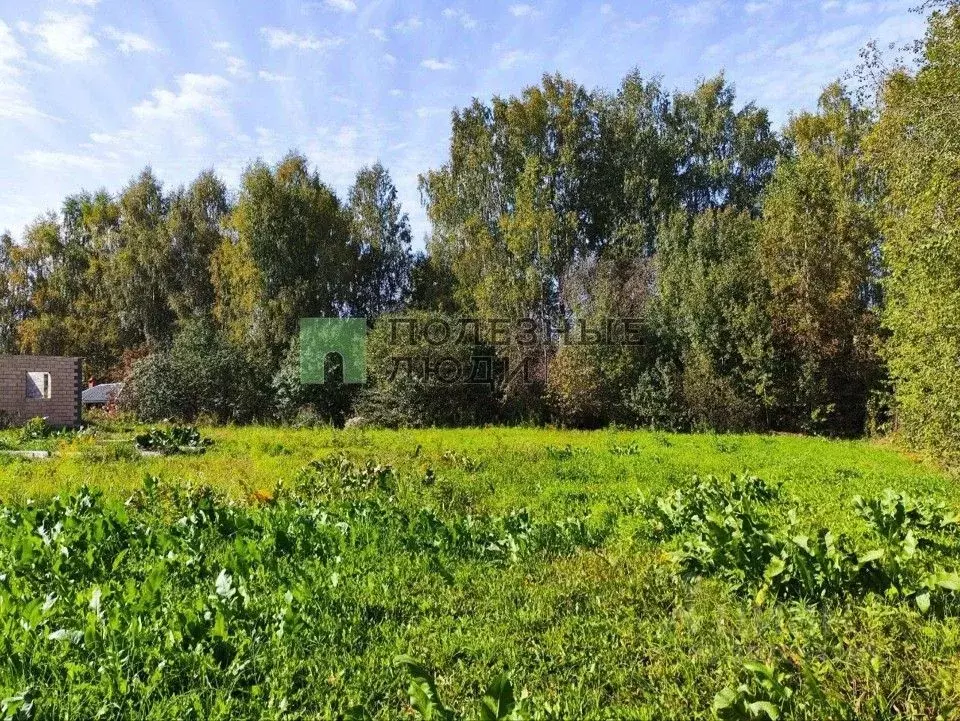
801 280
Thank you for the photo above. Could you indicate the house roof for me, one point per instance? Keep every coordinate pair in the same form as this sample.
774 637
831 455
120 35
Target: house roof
103 393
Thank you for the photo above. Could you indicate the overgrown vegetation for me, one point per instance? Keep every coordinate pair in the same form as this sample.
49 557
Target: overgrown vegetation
478 574
799 279
176 439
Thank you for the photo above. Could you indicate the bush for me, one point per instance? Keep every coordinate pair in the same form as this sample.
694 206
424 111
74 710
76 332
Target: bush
172 440
656 401
327 402
398 397
35 429
201 373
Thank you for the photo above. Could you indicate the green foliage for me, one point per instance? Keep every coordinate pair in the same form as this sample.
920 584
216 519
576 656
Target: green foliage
729 530
201 373
765 694
35 429
290 599
327 402
380 233
406 391
819 249
915 145
713 305
176 439
498 702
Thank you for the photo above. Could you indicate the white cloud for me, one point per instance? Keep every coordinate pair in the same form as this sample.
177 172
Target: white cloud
408 25
522 10
45 159
606 9
429 112
85 3
389 59
759 6
703 12
461 16
278 39
346 137
10 49
344 6
237 67
513 58
648 22
379 34
64 37
128 42
15 102
434 64
197 94
273 77
222 46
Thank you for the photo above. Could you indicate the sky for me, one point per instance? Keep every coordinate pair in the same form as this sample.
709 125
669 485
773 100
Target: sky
92 91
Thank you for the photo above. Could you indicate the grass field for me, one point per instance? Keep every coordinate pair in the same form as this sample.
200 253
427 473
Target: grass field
538 556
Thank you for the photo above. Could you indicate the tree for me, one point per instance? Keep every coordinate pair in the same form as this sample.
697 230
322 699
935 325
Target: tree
380 233
140 270
713 309
193 225
916 143
726 157
9 306
819 250
288 257
508 208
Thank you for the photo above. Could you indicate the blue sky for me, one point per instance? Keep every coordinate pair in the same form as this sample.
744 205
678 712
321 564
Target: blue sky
91 91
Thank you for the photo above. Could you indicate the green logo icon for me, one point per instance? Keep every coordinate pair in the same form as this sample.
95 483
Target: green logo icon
322 339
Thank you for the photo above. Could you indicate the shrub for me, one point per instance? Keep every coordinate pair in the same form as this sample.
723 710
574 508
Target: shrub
656 401
35 429
398 396
172 440
201 373
327 402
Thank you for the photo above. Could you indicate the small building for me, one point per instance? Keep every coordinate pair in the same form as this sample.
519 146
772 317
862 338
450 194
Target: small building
100 395
41 386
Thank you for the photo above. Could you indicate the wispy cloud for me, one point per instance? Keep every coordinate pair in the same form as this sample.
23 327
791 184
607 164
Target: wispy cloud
128 42
47 159
343 6
237 67
273 77
203 94
278 39
408 25
15 101
434 64
10 49
64 37
428 112
523 10
512 58
702 12
461 16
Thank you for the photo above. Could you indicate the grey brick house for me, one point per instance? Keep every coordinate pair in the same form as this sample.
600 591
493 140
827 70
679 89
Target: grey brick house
44 386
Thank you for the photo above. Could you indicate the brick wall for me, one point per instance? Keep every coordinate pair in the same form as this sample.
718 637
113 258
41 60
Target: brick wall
62 408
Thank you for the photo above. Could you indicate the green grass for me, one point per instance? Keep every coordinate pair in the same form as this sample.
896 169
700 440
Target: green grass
586 608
